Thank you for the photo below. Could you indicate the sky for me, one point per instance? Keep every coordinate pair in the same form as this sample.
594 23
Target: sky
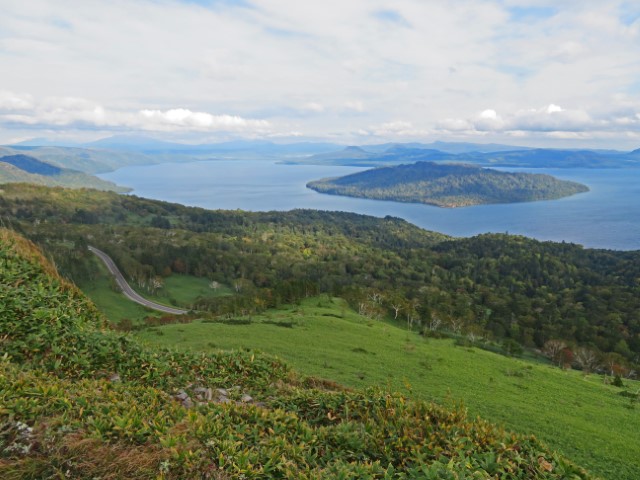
561 73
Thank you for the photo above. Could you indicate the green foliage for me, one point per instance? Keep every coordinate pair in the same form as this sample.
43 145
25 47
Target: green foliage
582 417
495 286
62 414
447 185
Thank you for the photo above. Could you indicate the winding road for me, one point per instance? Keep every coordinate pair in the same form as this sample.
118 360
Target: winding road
127 290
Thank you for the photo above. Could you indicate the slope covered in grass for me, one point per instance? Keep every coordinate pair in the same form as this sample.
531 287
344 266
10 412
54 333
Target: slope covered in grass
579 415
79 401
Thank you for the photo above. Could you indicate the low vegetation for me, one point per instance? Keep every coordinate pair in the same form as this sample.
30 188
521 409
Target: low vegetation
80 401
584 416
447 185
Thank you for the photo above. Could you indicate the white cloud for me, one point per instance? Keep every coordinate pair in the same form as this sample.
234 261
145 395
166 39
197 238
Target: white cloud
198 121
354 105
454 125
313 107
14 101
315 66
397 129
552 108
79 112
488 120
568 52
553 119
489 114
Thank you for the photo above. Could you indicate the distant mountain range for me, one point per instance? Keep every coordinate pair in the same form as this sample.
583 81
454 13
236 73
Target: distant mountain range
522 158
153 146
114 152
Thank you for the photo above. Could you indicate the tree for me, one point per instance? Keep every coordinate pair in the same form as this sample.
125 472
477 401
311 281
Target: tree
396 307
587 359
566 358
434 322
155 284
553 350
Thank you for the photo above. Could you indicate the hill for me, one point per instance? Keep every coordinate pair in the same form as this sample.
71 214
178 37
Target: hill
85 160
506 287
475 154
30 164
26 169
447 185
581 416
95 403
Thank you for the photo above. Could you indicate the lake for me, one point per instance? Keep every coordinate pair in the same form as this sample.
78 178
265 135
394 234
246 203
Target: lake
606 217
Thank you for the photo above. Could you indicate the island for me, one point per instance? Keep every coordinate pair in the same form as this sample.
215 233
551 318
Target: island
447 185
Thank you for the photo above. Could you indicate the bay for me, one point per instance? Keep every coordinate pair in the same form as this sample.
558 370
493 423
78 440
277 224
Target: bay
608 216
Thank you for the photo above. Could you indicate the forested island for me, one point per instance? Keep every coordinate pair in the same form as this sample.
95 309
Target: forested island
447 185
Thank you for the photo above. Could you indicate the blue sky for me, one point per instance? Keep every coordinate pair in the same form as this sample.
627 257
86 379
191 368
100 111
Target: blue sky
530 72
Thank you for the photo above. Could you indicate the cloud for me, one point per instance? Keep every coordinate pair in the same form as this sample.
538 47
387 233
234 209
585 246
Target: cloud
10 101
54 112
314 67
454 125
569 51
396 129
313 107
551 119
183 118
488 120
354 106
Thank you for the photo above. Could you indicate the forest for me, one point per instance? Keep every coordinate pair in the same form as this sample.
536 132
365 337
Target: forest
496 286
447 185
96 403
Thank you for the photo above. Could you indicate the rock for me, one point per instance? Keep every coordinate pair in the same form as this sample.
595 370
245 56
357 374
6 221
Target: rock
187 403
204 394
181 395
246 398
222 392
114 378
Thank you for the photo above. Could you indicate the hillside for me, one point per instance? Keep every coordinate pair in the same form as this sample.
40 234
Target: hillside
447 185
30 164
87 160
581 416
94 403
26 169
501 286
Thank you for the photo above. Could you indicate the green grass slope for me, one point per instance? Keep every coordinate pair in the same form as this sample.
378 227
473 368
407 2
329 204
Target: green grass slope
579 415
447 185
64 413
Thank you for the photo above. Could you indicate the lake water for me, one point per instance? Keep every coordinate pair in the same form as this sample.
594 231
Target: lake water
606 217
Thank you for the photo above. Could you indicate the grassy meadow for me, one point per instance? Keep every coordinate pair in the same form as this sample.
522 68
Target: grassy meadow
580 416
178 290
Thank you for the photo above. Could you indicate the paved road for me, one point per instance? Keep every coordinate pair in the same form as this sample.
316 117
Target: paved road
128 291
